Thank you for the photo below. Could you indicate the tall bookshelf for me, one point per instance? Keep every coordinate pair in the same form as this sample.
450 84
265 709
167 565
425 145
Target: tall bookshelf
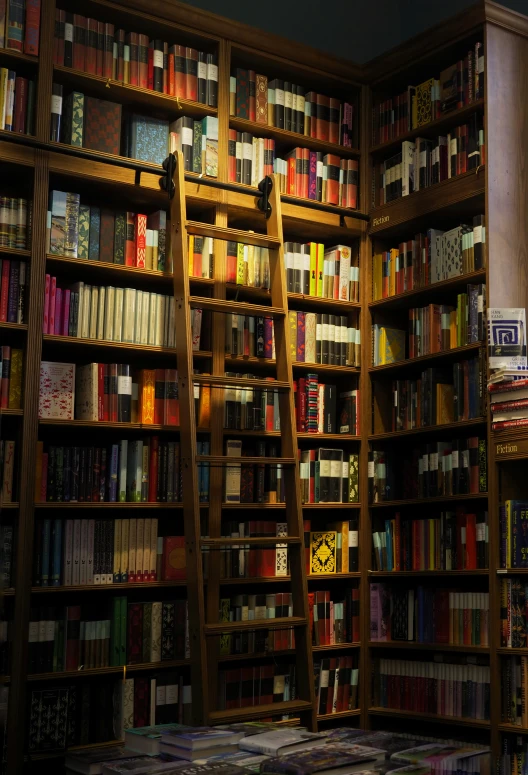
35 167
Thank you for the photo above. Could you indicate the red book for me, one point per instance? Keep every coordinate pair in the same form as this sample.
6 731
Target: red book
133 44
153 468
58 50
53 297
90 59
32 31
73 631
130 240
171 402
45 322
120 37
171 76
191 72
180 77
322 113
173 565
141 702
165 68
143 57
100 391
332 163
252 95
471 542
268 337
150 68
135 633
159 396
4 376
79 42
140 237
333 124
290 182
108 50
99 69
65 317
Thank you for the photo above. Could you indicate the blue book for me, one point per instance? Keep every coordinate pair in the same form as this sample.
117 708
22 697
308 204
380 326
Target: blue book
114 468
45 562
149 139
95 233
56 545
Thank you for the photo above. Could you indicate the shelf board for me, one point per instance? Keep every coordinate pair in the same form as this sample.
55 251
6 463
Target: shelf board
340 714
331 506
224 460
95 671
513 728
119 270
12 505
511 571
17 56
455 720
391 573
509 651
317 301
14 326
453 285
256 541
291 199
11 412
433 128
301 436
107 587
15 252
336 647
116 346
406 645
429 429
279 623
126 426
292 138
409 363
423 501
452 198
326 368
8 592
259 711
129 95
111 505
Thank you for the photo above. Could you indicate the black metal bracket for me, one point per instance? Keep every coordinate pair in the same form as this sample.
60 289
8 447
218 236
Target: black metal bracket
166 180
265 186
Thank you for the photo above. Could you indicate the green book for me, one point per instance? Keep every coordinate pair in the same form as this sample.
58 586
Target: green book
119 237
197 147
84 232
77 119
95 233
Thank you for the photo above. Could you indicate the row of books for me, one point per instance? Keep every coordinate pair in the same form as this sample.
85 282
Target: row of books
329 476
440 396
6 555
288 106
508 402
458 85
132 58
15 222
320 177
249 158
249 482
111 314
514 680
20 26
324 338
330 273
78 230
336 684
164 698
17 102
334 621
247 408
429 258
513 516
252 686
11 367
7 469
85 552
100 125
434 469
452 541
514 755
241 608
317 409
424 163
340 542
460 690
429 615
144 471
14 276
513 613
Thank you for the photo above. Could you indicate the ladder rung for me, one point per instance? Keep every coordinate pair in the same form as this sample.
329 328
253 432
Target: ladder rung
257 624
234 235
256 541
266 384
259 711
228 461
235 307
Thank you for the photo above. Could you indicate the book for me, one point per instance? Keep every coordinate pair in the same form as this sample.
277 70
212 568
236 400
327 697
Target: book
281 742
506 337
57 390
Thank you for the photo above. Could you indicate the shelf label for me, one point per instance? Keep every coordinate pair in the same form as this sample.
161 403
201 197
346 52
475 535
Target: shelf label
379 221
508 448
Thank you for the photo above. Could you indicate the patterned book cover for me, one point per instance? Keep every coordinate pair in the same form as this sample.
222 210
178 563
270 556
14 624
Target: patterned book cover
106 242
451 251
197 147
147 631
394 341
167 631
242 93
309 337
323 547
57 390
301 334
84 232
102 125
149 139
140 237
119 237
483 466
292 318
146 396
225 638
77 119
261 99
155 648
281 553
128 704
424 104
506 337
95 234
247 484
354 478
15 379
134 635
141 702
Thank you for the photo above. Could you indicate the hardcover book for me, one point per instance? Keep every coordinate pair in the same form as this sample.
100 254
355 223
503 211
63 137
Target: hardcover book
506 337
57 390
102 125
149 139
323 547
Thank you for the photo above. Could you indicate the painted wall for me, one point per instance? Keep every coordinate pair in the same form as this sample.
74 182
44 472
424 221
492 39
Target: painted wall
354 29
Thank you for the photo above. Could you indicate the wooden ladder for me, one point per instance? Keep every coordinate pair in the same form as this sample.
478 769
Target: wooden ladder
205 628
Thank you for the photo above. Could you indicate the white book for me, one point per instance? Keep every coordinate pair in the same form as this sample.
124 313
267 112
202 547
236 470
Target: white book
118 315
125 537
155 643
101 313
160 320
76 565
151 319
165 339
68 553
284 741
87 304
122 476
129 315
86 392
116 578
153 548
145 317
84 552
56 391
137 320
232 472
94 313
90 553
132 533
146 549
109 313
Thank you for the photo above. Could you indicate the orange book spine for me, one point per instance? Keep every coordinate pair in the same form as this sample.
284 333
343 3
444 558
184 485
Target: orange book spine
146 396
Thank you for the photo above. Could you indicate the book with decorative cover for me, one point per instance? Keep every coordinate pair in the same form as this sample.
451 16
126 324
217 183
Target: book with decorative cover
149 139
328 757
57 390
323 546
102 125
506 337
424 104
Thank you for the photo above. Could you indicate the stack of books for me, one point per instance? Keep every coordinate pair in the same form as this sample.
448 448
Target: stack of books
322 177
508 396
17 102
20 27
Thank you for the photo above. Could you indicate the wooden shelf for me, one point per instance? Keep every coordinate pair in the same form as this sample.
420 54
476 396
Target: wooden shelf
259 711
280 623
112 505
107 587
291 138
126 426
391 573
321 302
14 326
513 729
408 645
331 506
432 129
17 56
422 501
335 647
300 436
12 505
511 571
95 671
326 368
409 363
510 651
340 714
454 720
75 341
416 295
129 95
454 198
429 429
14 252
256 541
11 412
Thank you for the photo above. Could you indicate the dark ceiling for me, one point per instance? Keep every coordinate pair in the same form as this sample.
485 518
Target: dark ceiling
354 29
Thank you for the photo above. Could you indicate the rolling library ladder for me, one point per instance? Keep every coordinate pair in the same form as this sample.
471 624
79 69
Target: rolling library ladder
204 627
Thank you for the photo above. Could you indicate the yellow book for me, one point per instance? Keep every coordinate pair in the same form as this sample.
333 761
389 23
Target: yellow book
4 74
240 270
313 268
424 104
15 379
204 406
392 345
190 254
453 328
377 277
147 383
292 317
392 277
250 251
381 347
323 552
342 529
320 266
445 404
